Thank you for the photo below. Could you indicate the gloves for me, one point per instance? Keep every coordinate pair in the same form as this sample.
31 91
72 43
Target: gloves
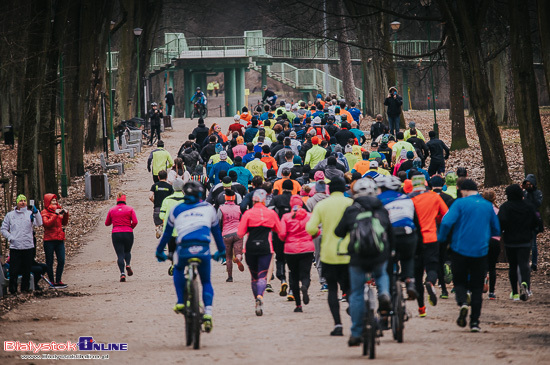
218 255
34 210
161 256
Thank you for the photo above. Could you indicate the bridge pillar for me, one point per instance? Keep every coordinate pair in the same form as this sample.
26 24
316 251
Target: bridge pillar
239 88
188 91
405 89
264 75
230 95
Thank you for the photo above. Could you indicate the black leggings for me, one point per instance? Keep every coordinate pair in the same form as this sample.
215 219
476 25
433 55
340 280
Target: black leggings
518 257
427 256
300 268
334 275
492 258
122 242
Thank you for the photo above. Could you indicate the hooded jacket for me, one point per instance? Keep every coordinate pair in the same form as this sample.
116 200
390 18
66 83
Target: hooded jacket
293 229
53 223
534 196
517 219
17 227
368 203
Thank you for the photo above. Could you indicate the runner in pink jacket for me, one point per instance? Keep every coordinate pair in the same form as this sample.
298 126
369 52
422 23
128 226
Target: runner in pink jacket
299 249
124 220
229 215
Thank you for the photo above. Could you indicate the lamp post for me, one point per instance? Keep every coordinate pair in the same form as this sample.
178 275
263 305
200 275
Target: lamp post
64 181
426 4
111 90
137 33
395 27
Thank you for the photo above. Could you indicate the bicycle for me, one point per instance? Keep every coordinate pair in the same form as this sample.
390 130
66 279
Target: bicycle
199 110
398 313
371 322
192 313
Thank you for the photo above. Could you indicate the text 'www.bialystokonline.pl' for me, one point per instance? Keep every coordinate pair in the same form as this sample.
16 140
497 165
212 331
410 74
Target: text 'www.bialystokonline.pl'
65 357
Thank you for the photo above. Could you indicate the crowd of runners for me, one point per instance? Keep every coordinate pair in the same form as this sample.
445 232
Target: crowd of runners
286 186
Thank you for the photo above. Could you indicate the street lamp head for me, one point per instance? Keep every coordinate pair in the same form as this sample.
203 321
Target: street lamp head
137 31
425 2
395 25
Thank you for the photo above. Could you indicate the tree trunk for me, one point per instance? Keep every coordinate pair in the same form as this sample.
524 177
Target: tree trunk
533 144
511 116
378 68
544 32
345 55
464 22
456 94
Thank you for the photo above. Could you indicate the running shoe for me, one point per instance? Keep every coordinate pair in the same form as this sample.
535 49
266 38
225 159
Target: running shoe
298 309
461 320
514 297
474 327
486 284
444 295
171 270
337 331
122 278
492 296
158 232
384 302
469 298
60 285
324 288
259 305
179 308
432 296
422 311
224 262
447 274
207 320
305 295
411 290
344 298
523 291
269 288
284 287
129 270
290 297
354 341
239 264
229 280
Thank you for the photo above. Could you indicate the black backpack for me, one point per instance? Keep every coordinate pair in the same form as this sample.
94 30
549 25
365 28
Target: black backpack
376 129
368 238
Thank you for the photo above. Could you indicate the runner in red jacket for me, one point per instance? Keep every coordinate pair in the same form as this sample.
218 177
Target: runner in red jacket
54 219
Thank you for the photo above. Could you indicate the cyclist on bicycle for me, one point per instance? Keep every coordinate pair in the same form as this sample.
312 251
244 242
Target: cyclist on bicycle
194 221
269 96
365 200
200 99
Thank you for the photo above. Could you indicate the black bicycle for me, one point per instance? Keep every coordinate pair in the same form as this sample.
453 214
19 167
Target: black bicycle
193 312
398 313
199 110
372 330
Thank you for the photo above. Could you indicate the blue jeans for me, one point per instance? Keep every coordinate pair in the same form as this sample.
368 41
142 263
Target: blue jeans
394 124
534 250
59 248
357 278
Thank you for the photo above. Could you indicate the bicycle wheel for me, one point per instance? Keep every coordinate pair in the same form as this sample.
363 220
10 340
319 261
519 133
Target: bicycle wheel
188 320
398 316
370 338
196 312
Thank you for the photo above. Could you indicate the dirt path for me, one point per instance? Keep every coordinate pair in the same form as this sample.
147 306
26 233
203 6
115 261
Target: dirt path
139 313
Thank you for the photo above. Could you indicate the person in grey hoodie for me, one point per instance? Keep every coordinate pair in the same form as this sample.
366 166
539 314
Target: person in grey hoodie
17 228
533 196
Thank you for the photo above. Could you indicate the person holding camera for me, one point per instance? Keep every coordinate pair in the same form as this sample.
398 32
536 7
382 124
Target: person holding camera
18 228
393 102
155 116
55 217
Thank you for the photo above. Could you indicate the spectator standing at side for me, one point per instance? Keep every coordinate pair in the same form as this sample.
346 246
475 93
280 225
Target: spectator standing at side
54 218
17 228
169 99
393 102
